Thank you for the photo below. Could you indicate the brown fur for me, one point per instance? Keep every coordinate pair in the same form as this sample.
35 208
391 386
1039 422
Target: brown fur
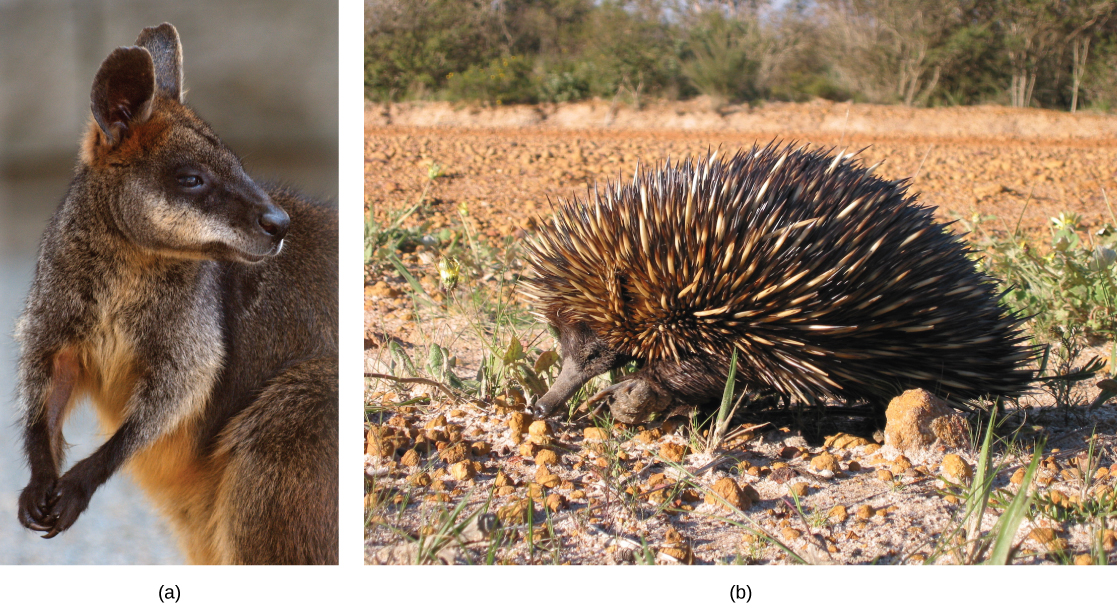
200 319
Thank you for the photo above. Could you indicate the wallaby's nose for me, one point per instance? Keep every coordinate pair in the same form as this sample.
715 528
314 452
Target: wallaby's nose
274 222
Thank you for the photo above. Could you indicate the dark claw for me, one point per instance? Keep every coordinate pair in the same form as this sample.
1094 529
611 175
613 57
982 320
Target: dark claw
35 526
68 501
35 505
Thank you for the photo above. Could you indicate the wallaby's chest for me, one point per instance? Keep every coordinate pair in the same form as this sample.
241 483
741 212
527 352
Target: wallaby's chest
138 318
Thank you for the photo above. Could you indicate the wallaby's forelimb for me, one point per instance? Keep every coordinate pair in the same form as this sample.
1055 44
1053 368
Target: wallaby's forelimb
45 445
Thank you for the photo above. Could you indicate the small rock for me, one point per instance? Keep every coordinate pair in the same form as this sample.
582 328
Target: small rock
546 457
672 452
826 461
988 190
1017 476
410 458
790 533
727 489
555 502
910 417
513 513
1046 537
884 475
539 429
799 489
750 492
649 436
844 441
864 511
956 470
594 434
579 494
1109 540
1083 559
528 449
952 430
683 555
837 514
454 453
518 422
439 421
789 452
853 466
462 470
381 290
457 413
545 478
480 448
502 479
503 491
419 479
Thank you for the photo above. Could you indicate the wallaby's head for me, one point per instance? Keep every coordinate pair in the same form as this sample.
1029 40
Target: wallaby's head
165 180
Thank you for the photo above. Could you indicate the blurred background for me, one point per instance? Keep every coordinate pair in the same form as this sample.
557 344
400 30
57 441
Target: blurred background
264 74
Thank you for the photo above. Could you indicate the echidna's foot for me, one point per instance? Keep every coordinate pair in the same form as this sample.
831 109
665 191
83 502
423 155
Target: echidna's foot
632 400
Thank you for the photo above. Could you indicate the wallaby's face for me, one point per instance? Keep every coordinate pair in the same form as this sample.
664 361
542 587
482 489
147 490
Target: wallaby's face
171 187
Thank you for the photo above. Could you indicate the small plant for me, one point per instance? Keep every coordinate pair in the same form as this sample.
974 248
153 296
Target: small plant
1068 288
965 539
383 241
1058 374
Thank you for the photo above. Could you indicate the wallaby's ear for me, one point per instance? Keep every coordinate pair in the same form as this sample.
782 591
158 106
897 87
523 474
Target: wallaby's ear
122 91
166 53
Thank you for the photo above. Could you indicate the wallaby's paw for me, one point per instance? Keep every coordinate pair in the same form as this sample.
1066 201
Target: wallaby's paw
36 503
71 497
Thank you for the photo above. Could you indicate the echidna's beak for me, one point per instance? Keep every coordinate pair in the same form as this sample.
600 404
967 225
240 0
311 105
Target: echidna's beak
569 381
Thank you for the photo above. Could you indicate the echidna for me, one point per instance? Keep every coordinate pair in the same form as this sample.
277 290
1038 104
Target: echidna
827 280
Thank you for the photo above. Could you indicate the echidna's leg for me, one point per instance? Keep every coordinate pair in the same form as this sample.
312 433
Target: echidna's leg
636 399
662 385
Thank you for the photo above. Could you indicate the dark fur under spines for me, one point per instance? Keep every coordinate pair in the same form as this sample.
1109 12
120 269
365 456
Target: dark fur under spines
828 281
198 312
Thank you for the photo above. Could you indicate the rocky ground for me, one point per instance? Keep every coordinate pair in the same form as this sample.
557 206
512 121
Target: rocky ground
462 475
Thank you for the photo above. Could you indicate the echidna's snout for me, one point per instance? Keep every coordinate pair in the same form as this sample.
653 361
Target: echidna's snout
569 381
575 372
584 356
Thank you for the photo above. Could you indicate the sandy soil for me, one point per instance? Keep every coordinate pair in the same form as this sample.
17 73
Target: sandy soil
499 169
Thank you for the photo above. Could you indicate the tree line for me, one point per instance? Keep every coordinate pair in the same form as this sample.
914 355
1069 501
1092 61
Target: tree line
1024 53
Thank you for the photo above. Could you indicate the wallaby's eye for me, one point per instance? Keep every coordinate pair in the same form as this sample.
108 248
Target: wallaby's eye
190 181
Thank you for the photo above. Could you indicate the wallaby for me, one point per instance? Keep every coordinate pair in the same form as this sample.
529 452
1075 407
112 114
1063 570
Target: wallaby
198 312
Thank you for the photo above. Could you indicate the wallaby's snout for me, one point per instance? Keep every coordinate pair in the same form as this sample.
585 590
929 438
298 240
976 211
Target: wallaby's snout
259 225
274 222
